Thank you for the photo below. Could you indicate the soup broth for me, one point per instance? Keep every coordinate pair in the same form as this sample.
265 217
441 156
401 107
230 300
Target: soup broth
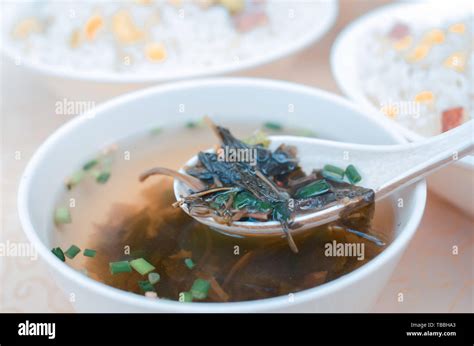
123 219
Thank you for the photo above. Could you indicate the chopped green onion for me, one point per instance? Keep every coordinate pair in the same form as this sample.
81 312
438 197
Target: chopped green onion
200 288
352 174
273 126
120 267
334 169
103 177
185 297
332 176
72 251
74 179
62 216
59 253
333 173
315 188
89 253
154 278
189 263
90 164
142 266
146 286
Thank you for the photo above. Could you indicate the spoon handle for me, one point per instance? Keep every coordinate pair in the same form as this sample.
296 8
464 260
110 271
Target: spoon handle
417 160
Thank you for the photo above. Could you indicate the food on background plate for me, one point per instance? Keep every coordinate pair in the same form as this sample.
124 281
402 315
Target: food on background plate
167 37
420 75
127 234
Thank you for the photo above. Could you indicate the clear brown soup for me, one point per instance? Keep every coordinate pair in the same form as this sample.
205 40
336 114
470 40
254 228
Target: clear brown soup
124 220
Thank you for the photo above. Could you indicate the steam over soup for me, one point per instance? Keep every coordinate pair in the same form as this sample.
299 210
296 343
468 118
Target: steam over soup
127 234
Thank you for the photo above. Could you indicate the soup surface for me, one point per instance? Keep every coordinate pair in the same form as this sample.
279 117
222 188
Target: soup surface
123 219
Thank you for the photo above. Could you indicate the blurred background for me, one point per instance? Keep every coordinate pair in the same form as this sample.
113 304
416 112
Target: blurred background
430 278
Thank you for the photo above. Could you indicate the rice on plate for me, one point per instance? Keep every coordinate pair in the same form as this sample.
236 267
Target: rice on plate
159 37
420 75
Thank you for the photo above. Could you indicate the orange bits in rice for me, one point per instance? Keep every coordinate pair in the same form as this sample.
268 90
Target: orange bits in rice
155 52
424 97
92 27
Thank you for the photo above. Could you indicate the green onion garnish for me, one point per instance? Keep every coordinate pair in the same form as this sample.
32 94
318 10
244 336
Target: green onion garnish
154 278
89 253
333 173
334 169
59 253
185 297
74 179
120 267
146 286
142 266
315 188
200 288
72 251
273 126
189 263
103 177
90 164
62 216
352 174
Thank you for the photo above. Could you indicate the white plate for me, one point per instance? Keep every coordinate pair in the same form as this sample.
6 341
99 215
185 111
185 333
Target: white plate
456 182
100 85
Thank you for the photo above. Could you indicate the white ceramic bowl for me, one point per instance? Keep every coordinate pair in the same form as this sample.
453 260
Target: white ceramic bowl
248 100
454 182
84 85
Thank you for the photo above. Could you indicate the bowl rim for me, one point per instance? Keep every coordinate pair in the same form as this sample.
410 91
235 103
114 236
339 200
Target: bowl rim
312 36
131 299
339 51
